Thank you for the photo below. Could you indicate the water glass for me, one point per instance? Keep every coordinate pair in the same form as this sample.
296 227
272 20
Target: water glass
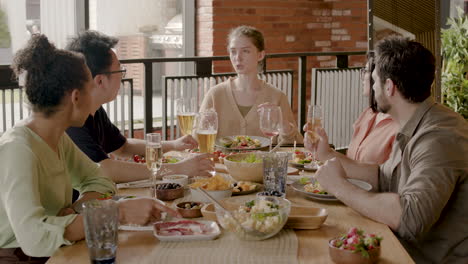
101 222
275 172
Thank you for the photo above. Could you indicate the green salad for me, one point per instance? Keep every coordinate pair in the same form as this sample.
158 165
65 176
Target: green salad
251 158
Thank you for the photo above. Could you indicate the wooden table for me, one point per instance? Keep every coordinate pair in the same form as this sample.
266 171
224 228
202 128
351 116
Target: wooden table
313 244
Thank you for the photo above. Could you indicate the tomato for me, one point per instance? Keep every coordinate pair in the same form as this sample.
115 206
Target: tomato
136 158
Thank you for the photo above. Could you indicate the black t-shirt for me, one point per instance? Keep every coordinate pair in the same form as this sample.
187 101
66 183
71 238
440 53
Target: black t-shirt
97 137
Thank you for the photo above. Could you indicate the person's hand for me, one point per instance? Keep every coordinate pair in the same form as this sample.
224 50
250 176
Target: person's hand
317 142
142 211
66 211
197 164
183 143
331 175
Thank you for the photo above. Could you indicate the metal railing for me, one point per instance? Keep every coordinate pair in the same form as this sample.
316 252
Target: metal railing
204 68
126 110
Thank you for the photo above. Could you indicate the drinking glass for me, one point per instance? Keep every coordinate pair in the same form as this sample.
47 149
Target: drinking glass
314 121
206 129
101 222
270 121
186 109
275 171
154 157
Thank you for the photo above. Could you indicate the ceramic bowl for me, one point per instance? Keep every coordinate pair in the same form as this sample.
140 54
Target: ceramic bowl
243 171
169 194
177 178
189 213
208 212
344 256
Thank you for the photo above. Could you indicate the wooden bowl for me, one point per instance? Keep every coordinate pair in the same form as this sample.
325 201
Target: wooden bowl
344 256
189 213
169 194
208 212
306 217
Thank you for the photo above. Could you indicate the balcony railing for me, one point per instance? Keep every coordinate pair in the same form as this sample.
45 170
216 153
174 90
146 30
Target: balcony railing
123 109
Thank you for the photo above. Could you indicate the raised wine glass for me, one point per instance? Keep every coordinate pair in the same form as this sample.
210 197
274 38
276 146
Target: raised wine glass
154 157
186 111
270 121
314 121
206 129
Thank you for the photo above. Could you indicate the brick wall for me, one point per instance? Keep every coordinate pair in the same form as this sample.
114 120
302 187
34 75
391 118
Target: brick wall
288 26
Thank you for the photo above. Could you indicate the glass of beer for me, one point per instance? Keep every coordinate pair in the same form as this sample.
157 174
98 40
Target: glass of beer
314 121
270 121
206 129
154 157
186 109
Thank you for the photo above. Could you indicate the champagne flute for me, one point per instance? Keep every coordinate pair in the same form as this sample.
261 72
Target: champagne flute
271 119
206 129
186 114
154 157
314 121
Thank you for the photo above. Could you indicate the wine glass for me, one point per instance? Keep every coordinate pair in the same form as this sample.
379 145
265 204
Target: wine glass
186 114
206 129
314 121
270 121
154 157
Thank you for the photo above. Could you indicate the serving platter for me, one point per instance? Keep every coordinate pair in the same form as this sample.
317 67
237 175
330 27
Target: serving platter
264 143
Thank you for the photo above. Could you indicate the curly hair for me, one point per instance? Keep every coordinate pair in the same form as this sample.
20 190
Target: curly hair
96 48
408 64
50 73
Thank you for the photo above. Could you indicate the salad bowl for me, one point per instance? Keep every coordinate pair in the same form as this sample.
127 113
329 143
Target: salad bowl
245 166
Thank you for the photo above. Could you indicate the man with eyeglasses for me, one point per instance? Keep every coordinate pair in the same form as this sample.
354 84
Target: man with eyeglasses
99 137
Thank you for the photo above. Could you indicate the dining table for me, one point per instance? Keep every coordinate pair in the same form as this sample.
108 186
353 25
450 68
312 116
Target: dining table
311 244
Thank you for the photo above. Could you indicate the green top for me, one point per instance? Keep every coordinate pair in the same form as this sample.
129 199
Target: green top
244 109
35 184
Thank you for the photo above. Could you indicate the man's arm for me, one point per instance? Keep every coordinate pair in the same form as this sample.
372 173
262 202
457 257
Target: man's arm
137 146
123 171
381 207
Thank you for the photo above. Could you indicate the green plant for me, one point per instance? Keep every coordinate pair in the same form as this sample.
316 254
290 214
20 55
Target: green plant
455 54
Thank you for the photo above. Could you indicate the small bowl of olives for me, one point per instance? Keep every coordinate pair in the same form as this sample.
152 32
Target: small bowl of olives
190 209
169 191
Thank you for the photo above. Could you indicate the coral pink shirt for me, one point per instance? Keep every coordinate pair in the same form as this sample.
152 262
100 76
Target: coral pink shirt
372 143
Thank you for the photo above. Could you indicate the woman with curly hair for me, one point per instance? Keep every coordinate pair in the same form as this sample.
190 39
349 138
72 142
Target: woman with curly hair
39 164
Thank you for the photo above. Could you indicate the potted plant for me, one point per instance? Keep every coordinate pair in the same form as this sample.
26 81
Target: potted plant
455 67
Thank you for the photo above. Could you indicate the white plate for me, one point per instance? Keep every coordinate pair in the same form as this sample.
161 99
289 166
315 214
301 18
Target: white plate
327 197
212 235
136 227
264 142
302 167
